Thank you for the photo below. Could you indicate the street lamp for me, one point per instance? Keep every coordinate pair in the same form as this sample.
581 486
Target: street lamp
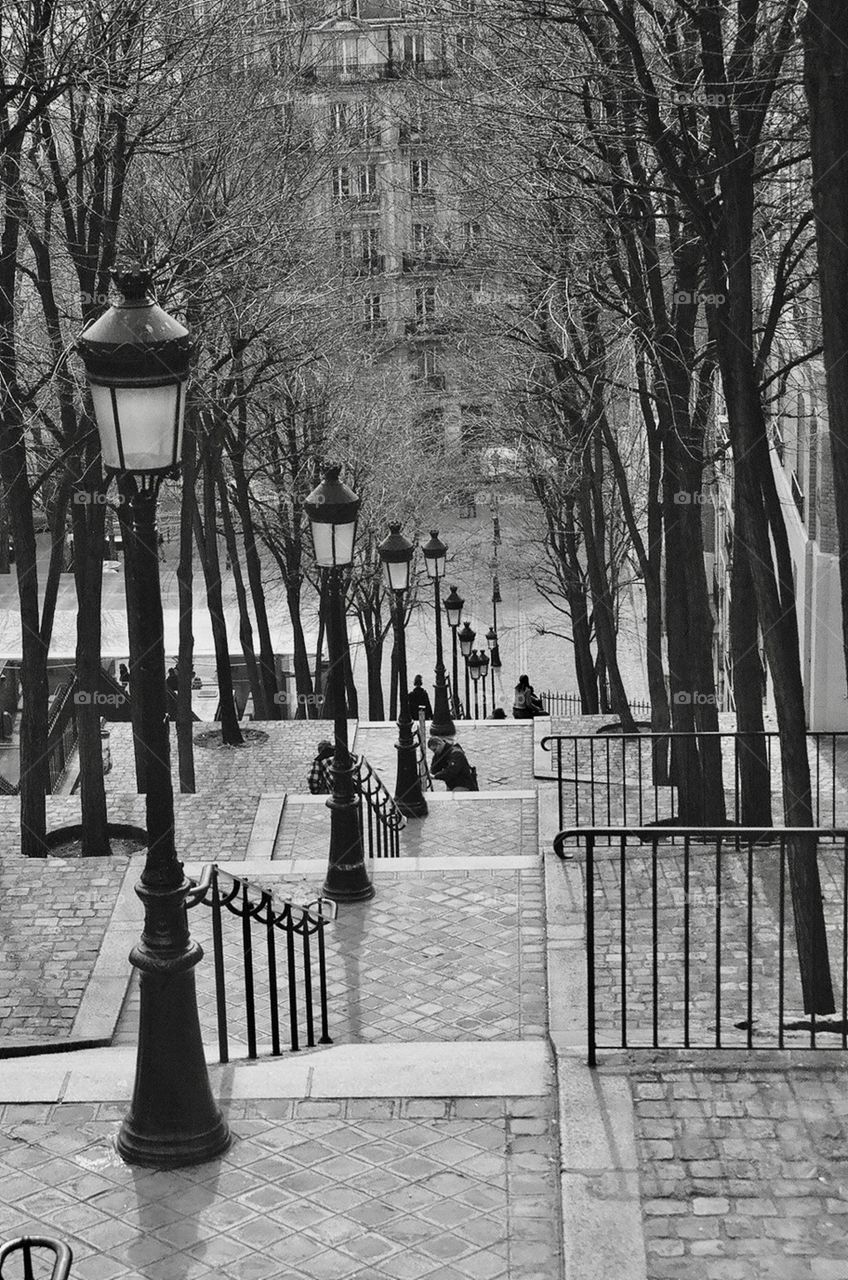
466 644
474 666
494 656
333 509
435 553
137 362
396 554
483 659
453 610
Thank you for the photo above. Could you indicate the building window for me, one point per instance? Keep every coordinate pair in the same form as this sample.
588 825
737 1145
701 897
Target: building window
425 304
367 180
372 308
341 183
344 246
413 48
348 54
338 117
422 238
370 241
472 425
419 175
428 364
464 47
367 120
472 235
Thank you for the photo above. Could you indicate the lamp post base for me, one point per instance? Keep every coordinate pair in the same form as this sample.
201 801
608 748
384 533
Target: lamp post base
347 874
173 1120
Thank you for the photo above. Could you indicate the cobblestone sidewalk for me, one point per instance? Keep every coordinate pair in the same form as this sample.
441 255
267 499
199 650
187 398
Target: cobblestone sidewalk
406 1189
744 1173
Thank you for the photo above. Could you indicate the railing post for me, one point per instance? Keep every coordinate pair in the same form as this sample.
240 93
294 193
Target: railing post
590 947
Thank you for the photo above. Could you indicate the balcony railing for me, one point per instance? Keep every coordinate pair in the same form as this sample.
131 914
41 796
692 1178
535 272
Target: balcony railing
429 326
411 135
424 261
376 325
372 264
430 381
424 195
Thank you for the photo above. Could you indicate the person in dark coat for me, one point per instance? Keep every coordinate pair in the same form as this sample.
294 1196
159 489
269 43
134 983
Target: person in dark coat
526 704
320 777
418 698
450 765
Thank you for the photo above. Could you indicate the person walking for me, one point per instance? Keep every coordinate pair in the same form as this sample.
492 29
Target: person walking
526 704
320 777
419 698
450 765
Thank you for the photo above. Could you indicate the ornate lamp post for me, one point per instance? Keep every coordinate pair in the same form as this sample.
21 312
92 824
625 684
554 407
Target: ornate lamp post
473 666
453 610
494 657
435 552
137 361
483 659
333 509
396 554
466 644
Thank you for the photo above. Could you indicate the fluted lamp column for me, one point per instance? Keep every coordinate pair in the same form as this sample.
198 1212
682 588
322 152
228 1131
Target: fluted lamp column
435 554
453 611
333 510
466 643
396 553
137 361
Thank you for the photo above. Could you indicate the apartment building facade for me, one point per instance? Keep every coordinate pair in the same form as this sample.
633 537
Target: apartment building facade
404 237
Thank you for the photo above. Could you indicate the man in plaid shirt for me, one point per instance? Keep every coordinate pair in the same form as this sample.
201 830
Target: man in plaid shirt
320 779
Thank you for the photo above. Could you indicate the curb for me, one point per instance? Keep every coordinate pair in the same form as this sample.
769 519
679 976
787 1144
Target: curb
602 1229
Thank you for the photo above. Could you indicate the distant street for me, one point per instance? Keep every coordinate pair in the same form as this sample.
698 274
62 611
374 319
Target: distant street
546 658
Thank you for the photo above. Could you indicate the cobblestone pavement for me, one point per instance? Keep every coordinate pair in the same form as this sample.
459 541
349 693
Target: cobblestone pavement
489 827
744 1173
459 957
707 899
407 1189
502 754
55 915
280 764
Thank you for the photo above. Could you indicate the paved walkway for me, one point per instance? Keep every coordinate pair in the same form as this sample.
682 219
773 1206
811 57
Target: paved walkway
422 1143
438 1138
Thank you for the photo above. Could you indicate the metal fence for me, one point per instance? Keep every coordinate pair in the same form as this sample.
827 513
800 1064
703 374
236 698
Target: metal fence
286 969
608 779
690 945
62 732
380 820
62 1257
571 704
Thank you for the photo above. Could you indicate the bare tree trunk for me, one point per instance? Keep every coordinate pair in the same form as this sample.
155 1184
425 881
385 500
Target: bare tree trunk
206 537
88 524
257 592
374 663
752 764
245 628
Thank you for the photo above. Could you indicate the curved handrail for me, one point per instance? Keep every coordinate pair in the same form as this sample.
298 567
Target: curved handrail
277 911
377 795
63 1252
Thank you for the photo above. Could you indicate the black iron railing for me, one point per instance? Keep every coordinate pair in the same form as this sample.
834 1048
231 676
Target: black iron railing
609 779
62 731
62 1257
689 937
293 972
571 704
380 820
